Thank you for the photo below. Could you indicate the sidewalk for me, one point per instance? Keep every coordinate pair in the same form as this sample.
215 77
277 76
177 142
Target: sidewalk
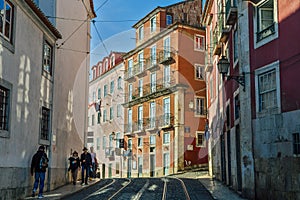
65 190
218 190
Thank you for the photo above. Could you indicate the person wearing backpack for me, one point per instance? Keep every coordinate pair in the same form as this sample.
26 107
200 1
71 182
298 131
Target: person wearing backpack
39 164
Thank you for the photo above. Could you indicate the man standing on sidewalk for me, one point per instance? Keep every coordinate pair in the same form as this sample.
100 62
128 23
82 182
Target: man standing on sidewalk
86 164
39 164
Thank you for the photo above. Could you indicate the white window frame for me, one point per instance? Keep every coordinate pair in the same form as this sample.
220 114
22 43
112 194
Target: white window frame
200 70
197 44
169 19
10 21
255 26
141 32
204 140
153 24
260 71
166 138
201 107
140 117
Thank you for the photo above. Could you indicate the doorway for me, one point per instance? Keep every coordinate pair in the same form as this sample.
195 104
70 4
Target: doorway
152 165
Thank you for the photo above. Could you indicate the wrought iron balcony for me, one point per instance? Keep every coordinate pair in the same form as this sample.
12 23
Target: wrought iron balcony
140 69
166 121
151 64
166 57
151 91
151 124
231 12
129 75
270 30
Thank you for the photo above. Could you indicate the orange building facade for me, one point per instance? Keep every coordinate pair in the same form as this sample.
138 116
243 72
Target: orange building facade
165 93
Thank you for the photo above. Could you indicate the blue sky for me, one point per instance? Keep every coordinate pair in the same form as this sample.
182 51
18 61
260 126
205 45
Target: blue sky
114 21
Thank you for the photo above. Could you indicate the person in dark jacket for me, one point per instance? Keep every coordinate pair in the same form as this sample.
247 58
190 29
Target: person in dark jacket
39 164
86 164
74 165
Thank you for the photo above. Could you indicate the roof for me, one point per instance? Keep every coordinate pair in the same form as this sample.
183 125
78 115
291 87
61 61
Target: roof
43 18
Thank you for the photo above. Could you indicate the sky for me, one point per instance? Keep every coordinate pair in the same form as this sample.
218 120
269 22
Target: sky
112 29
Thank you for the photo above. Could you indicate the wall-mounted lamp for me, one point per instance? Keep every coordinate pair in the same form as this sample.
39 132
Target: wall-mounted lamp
223 66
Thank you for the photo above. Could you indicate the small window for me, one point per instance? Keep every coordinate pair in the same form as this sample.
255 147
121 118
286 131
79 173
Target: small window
4 109
112 86
111 113
199 72
200 106
120 83
200 140
104 115
99 117
47 58
140 142
152 139
296 144
237 107
199 43
166 138
45 124
141 32
6 19
104 142
169 19
93 120
267 90
99 93
265 24
112 61
105 92
153 24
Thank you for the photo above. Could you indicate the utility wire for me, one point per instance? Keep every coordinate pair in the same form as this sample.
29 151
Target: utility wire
101 5
100 37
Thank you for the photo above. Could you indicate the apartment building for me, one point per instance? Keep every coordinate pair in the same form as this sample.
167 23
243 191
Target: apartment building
255 143
165 93
106 114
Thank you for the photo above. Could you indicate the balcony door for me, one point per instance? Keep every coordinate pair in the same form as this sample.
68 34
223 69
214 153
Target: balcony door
166 111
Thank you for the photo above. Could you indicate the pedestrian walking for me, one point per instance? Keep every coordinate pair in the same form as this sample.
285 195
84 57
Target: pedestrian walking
74 164
86 164
94 167
39 164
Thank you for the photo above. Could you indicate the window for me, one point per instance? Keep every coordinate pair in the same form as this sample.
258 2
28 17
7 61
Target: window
130 144
105 91
112 61
237 107
112 86
118 140
111 139
99 117
235 45
98 143
111 113
199 72
167 112
130 68
200 140
119 111
117 168
140 118
104 115
199 43
153 24
6 19
166 138
4 110
47 58
152 114
141 32
140 142
93 120
167 47
153 82
103 142
140 87
152 139
130 92
153 55
45 123
141 61
169 19
120 83
296 144
94 96
129 129
99 93
167 76
265 24
106 65
200 106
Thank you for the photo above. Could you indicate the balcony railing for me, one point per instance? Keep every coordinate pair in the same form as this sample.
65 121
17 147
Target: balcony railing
266 32
139 69
166 120
129 74
231 12
161 87
151 64
166 57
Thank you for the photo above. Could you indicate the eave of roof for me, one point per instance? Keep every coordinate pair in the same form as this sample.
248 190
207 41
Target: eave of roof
43 18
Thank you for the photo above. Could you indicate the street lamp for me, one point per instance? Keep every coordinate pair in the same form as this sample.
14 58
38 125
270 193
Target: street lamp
223 66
